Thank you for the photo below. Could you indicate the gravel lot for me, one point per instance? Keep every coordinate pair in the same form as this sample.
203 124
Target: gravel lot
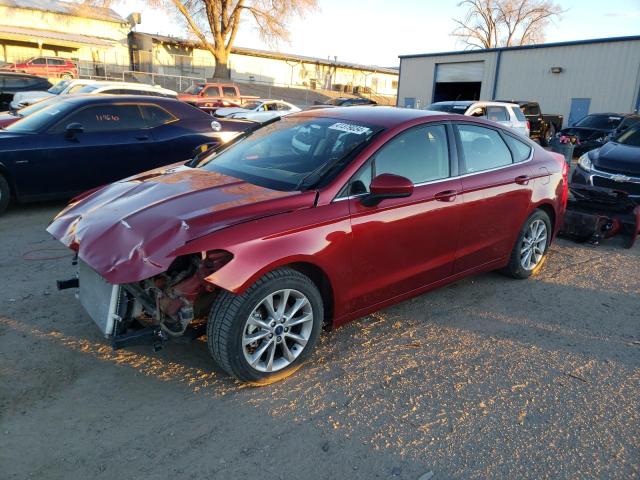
487 378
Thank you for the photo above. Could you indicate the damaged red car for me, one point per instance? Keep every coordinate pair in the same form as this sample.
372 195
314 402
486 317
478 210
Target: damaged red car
316 219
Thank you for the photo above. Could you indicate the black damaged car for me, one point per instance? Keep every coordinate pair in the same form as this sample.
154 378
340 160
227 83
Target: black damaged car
615 165
594 130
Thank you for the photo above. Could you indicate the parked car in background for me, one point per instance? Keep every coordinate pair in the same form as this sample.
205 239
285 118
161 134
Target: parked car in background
46 67
12 83
82 141
349 102
317 218
126 88
258 110
12 116
615 165
63 87
214 95
596 129
507 114
543 127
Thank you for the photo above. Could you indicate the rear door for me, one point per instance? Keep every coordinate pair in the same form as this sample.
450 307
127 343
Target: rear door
38 66
497 185
403 244
114 145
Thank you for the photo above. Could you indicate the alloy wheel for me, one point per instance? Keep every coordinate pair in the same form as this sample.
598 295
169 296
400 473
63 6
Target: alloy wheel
277 330
534 244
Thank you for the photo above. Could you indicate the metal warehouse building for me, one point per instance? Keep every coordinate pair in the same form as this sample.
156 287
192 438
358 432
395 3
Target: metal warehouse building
569 78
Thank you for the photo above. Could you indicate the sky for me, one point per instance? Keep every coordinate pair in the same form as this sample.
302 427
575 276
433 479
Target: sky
375 32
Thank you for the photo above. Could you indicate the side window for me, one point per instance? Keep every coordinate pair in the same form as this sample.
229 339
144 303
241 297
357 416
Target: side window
482 149
518 113
15 82
479 112
104 118
229 91
155 116
521 151
39 61
531 109
211 92
283 107
497 114
272 107
420 154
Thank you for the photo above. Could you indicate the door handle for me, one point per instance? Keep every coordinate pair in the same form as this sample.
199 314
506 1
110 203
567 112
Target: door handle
522 179
446 196
142 137
22 162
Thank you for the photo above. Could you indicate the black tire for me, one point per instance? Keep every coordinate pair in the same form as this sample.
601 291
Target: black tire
515 269
548 136
5 194
228 320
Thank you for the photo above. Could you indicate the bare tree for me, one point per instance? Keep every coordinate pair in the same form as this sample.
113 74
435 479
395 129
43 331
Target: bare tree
504 23
216 22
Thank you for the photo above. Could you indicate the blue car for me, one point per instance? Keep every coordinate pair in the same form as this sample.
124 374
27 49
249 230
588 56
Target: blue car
85 141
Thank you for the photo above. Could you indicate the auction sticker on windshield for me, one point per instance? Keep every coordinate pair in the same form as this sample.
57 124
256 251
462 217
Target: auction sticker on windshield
349 128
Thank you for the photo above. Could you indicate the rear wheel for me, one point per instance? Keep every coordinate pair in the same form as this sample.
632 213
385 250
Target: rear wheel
266 333
5 194
529 252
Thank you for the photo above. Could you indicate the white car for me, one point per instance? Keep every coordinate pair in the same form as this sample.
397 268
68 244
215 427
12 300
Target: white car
508 114
126 88
63 87
258 110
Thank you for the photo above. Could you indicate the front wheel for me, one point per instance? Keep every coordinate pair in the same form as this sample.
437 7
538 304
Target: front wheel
530 250
266 333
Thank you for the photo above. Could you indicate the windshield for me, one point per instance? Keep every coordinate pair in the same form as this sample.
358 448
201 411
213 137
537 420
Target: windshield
631 136
59 87
40 119
282 155
599 122
448 107
194 89
251 104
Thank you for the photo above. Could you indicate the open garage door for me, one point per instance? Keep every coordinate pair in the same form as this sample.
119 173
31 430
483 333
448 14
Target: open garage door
458 81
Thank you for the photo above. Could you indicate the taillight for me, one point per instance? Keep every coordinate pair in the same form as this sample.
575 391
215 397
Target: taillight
565 184
528 125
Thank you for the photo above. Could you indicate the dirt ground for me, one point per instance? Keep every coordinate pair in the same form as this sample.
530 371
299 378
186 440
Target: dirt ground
487 378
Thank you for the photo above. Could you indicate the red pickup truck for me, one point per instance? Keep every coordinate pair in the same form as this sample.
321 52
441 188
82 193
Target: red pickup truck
213 95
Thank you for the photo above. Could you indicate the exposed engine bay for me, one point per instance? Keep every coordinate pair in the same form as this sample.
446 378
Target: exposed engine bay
171 304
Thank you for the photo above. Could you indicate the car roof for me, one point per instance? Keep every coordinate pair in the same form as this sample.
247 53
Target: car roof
88 99
388 117
457 102
20 74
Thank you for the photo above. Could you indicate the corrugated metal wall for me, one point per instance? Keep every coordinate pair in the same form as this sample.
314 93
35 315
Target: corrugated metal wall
607 73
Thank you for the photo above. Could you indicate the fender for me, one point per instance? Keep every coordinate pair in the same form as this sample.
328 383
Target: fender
266 244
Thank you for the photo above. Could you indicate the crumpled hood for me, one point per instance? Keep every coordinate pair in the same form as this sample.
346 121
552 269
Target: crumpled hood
616 157
129 230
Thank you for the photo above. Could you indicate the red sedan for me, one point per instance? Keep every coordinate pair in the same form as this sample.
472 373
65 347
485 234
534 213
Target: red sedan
318 218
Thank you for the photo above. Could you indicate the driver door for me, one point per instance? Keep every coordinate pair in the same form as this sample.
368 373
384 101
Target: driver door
113 145
403 244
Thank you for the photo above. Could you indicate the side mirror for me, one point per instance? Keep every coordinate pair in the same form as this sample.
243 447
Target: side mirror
386 186
72 130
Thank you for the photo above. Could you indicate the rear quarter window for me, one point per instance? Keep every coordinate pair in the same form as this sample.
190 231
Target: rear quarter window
518 113
521 151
